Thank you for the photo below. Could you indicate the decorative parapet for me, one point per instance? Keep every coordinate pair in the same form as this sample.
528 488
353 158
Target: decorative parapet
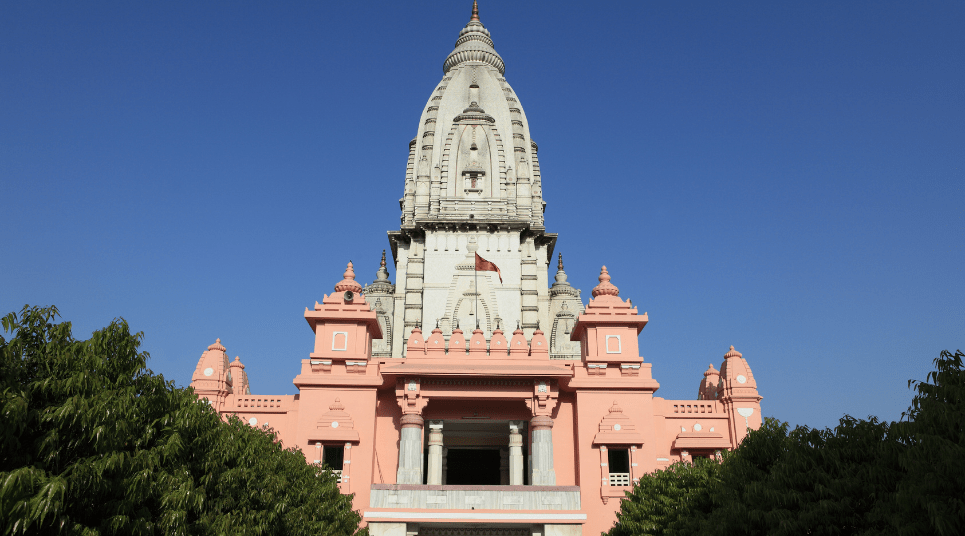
421 497
681 407
267 403
497 346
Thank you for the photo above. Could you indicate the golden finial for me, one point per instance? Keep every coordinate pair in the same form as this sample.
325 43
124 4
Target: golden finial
475 11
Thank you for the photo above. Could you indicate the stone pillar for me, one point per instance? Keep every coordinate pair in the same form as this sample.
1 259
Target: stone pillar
529 295
524 193
408 198
410 450
435 189
434 476
515 453
541 459
414 275
422 186
537 187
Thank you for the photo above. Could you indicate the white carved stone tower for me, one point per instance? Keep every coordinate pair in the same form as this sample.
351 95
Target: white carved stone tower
473 185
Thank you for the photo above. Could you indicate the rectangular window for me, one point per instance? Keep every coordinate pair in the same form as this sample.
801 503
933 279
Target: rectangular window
619 464
332 457
339 340
613 345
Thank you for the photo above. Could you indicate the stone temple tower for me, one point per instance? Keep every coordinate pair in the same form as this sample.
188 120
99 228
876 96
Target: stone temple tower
473 186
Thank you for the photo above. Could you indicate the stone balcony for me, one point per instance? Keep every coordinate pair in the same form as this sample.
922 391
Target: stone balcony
474 497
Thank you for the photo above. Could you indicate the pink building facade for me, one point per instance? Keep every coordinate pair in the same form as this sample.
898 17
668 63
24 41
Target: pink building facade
467 434
436 430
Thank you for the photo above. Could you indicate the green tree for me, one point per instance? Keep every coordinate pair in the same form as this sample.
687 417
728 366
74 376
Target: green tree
667 501
930 498
93 442
862 477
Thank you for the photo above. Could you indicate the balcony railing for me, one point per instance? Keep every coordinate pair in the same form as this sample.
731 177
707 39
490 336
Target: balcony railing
475 497
619 479
688 406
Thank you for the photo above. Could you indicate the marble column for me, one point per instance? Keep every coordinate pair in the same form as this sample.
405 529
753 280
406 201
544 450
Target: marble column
541 458
515 453
434 476
410 450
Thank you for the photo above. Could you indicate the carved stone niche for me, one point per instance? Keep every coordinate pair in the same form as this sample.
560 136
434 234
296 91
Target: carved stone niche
335 425
617 429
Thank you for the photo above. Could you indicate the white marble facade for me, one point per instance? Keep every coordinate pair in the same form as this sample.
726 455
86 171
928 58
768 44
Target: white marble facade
472 185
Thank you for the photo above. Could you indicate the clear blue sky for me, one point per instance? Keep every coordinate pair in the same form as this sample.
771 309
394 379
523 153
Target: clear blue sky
783 177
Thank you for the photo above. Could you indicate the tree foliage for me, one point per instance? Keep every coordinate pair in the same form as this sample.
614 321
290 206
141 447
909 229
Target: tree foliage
93 442
862 477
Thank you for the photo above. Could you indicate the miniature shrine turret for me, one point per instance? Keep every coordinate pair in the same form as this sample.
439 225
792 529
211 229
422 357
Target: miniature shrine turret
344 326
212 378
737 391
608 328
708 386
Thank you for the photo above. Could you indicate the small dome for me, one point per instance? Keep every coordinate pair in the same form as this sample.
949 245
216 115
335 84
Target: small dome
217 346
605 288
349 283
381 285
474 44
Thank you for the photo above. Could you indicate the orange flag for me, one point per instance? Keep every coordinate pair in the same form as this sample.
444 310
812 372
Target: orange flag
482 265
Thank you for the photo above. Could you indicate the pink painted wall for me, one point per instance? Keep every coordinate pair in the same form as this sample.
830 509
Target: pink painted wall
605 401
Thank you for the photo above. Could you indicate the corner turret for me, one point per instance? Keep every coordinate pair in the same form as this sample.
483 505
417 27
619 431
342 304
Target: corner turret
344 326
380 296
565 306
708 386
609 327
212 377
737 391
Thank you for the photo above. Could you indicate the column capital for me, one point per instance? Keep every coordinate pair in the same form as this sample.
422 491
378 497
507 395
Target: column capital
545 397
408 393
412 420
541 422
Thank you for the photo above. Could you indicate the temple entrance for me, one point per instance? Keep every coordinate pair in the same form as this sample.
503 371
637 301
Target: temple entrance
475 452
473 467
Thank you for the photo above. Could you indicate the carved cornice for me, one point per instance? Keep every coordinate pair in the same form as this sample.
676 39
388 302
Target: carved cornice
378 287
477 117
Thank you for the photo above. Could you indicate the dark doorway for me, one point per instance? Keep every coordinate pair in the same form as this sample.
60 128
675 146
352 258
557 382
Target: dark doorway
472 467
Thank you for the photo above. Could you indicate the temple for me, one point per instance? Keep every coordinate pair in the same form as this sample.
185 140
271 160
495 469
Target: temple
440 401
